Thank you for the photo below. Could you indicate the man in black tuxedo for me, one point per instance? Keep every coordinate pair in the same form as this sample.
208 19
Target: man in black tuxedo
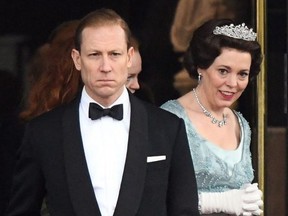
106 153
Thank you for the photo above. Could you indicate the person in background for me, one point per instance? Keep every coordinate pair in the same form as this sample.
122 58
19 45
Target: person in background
135 69
52 78
136 86
224 56
69 155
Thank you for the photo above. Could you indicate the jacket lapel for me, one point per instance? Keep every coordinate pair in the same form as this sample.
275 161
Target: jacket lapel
78 179
133 180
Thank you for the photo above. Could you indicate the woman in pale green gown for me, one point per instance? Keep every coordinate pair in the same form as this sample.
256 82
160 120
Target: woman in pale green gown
224 57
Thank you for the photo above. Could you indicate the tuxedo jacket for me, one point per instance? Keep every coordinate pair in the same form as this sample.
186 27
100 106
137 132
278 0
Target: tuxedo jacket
51 163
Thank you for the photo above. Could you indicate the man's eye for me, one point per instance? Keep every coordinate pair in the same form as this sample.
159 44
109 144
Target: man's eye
94 54
115 54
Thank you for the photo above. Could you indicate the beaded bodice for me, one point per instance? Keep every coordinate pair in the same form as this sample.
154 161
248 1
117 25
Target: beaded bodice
212 172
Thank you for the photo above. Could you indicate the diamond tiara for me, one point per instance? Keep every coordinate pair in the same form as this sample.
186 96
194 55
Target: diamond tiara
239 32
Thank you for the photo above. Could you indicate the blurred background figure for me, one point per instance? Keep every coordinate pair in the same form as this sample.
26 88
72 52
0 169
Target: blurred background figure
52 78
134 84
190 14
136 67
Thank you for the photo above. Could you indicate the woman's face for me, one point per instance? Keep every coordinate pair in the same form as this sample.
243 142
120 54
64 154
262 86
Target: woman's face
225 80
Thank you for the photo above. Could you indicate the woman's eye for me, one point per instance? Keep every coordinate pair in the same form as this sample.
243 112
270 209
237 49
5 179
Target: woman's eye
244 74
223 71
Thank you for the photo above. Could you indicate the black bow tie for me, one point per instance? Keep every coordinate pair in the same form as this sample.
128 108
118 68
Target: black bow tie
96 111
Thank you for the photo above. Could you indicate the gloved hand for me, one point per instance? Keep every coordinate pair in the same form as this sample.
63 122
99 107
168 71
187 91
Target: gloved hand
252 200
245 201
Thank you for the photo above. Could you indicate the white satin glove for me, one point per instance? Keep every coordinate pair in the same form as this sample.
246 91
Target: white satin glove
246 201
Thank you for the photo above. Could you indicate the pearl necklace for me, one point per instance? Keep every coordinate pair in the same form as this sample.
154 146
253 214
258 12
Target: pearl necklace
220 123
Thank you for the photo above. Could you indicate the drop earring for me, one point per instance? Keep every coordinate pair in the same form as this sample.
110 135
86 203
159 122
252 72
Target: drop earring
199 77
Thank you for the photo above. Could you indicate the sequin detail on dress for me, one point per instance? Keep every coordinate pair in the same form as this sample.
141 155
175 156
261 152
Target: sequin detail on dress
212 173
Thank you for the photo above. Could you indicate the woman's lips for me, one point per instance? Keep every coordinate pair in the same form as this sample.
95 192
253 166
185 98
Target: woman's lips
227 95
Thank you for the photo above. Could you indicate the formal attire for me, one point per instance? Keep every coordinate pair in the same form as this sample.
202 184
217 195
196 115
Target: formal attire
216 169
106 159
73 161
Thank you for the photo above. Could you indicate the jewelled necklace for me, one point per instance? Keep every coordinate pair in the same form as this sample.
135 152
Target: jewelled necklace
220 123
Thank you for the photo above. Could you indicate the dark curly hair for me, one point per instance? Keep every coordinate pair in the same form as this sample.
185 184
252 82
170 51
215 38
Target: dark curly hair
205 47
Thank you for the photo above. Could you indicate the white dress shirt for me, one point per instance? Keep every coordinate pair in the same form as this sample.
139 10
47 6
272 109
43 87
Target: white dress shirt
105 142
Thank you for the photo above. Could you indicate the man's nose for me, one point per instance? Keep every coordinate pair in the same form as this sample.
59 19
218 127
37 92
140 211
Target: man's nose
105 64
135 84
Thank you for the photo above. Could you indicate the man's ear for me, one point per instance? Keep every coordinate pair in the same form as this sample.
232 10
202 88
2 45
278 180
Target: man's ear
130 55
75 54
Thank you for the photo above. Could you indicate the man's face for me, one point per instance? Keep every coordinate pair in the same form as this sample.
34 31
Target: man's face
103 62
132 82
